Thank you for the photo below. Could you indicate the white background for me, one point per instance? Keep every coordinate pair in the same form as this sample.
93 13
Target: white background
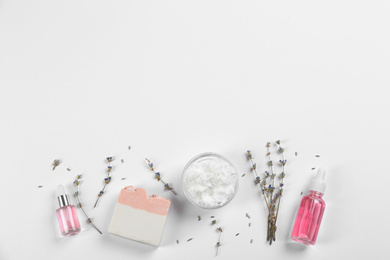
82 80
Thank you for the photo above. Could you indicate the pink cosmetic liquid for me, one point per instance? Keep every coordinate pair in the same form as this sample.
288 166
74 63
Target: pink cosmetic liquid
67 214
309 216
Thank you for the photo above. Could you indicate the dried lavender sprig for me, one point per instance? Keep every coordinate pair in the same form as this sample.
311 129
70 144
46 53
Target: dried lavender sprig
106 180
219 229
272 216
258 180
271 168
158 176
283 162
271 209
80 205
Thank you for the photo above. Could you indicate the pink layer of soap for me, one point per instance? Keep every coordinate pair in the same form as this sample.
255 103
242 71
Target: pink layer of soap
139 199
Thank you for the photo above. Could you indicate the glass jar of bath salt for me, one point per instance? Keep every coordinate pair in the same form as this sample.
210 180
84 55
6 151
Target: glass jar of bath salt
209 181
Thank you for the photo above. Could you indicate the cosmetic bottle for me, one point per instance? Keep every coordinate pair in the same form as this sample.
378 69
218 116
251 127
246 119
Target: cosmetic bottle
309 216
67 214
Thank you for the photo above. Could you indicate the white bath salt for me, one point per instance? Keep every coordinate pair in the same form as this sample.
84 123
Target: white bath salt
210 182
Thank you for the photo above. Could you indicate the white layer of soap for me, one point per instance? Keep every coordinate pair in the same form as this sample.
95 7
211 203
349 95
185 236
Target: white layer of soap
137 224
210 182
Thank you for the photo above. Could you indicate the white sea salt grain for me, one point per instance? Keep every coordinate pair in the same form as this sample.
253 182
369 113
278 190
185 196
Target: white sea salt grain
210 181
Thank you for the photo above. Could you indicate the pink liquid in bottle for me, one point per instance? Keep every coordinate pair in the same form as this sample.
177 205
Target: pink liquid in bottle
308 220
68 220
310 212
67 214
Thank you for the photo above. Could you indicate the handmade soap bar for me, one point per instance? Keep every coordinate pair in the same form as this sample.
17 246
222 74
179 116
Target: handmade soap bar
139 217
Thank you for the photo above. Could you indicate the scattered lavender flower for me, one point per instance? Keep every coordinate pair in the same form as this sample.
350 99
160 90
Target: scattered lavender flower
56 163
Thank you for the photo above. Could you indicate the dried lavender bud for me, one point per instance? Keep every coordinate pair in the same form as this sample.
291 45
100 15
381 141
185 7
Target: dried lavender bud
249 155
55 163
254 166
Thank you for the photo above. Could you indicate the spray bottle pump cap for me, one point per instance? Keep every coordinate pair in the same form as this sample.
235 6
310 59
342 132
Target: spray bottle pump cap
318 183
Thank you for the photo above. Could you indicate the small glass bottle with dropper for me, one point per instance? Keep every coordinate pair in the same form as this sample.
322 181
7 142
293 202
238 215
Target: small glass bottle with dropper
309 216
67 214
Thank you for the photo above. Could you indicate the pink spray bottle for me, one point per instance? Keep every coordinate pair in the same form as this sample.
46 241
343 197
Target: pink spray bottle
309 216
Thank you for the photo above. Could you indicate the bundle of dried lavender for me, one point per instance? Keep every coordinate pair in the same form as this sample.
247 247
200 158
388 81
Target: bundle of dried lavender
80 205
272 195
157 175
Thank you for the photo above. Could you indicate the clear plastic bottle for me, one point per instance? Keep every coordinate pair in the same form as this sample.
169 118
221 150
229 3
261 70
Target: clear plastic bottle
309 216
67 214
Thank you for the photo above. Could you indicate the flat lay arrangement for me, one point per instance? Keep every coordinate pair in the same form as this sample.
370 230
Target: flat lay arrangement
210 129
209 181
